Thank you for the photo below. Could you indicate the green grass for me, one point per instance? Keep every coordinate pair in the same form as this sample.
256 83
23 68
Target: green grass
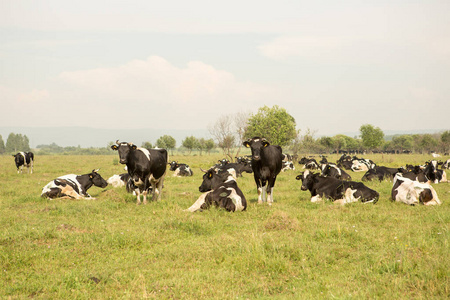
111 248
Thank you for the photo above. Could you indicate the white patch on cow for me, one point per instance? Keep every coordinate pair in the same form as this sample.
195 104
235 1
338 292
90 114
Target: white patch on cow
68 189
337 169
232 176
237 200
115 181
444 177
145 151
316 199
305 174
177 172
197 204
358 166
260 191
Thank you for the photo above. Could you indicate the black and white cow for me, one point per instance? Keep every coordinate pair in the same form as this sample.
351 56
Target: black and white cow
340 191
309 163
361 164
221 190
24 159
381 173
118 180
331 170
73 186
266 165
180 170
145 166
236 169
287 165
345 162
432 172
446 164
413 192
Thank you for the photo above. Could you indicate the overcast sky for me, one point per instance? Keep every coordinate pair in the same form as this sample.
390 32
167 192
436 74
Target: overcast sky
333 65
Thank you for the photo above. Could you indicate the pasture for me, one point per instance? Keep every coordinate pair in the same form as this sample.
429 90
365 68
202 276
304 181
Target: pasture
111 248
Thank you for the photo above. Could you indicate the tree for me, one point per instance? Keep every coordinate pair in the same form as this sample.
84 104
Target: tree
17 142
190 143
402 142
2 146
428 143
209 145
223 132
147 145
167 142
445 139
372 137
274 124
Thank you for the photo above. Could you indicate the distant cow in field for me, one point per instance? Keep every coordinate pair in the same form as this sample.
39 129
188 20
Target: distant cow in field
73 186
340 191
266 165
145 166
413 192
221 190
287 165
24 159
180 170
433 173
331 170
309 163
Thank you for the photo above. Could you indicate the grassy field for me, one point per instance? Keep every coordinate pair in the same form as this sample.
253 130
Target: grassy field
111 248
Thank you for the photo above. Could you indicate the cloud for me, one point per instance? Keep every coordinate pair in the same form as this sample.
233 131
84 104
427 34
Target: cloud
33 96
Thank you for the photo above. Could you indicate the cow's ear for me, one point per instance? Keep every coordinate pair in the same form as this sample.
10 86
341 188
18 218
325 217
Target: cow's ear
114 147
265 143
133 147
299 176
246 144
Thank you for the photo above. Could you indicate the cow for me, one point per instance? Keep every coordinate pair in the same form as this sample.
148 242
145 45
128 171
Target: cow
361 164
266 165
180 170
145 166
221 190
236 169
24 159
415 173
446 164
433 173
118 180
309 163
345 162
73 186
331 170
340 191
287 165
413 192
380 173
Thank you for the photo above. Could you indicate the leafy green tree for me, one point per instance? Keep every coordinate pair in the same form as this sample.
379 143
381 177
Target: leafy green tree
445 139
2 146
17 142
372 137
166 142
209 145
274 124
326 142
190 143
428 143
402 142
147 145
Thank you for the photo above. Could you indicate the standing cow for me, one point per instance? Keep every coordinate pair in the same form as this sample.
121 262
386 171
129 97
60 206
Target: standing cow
266 165
24 159
145 166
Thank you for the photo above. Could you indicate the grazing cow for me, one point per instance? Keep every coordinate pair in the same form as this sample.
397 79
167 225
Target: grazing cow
413 192
331 170
380 173
145 166
181 170
309 163
340 191
73 186
219 189
24 159
266 165
287 165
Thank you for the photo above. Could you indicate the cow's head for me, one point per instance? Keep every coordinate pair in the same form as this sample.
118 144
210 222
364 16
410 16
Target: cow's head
97 179
124 149
370 175
212 180
256 144
173 165
19 158
307 179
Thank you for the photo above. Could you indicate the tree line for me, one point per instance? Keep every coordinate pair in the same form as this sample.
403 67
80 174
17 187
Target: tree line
273 123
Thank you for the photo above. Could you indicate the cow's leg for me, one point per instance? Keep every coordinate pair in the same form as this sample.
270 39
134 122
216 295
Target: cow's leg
258 188
138 196
270 185
31 166
158 188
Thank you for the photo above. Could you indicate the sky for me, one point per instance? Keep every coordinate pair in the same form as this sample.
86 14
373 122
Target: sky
333 65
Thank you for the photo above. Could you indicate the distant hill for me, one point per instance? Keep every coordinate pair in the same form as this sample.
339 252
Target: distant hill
93 137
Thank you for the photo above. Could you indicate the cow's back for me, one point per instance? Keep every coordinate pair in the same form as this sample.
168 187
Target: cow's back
158 162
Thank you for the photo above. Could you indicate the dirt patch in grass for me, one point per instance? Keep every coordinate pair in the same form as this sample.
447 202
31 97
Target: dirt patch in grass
281 221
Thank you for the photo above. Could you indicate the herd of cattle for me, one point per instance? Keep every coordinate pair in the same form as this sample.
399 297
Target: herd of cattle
146 170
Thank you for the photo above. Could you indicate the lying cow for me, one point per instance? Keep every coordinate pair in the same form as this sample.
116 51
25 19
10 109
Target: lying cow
381 173
221 190
309 163
361 164
287 165
118 180
331 170
24 159
180 170
340 191
413 192
73 186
